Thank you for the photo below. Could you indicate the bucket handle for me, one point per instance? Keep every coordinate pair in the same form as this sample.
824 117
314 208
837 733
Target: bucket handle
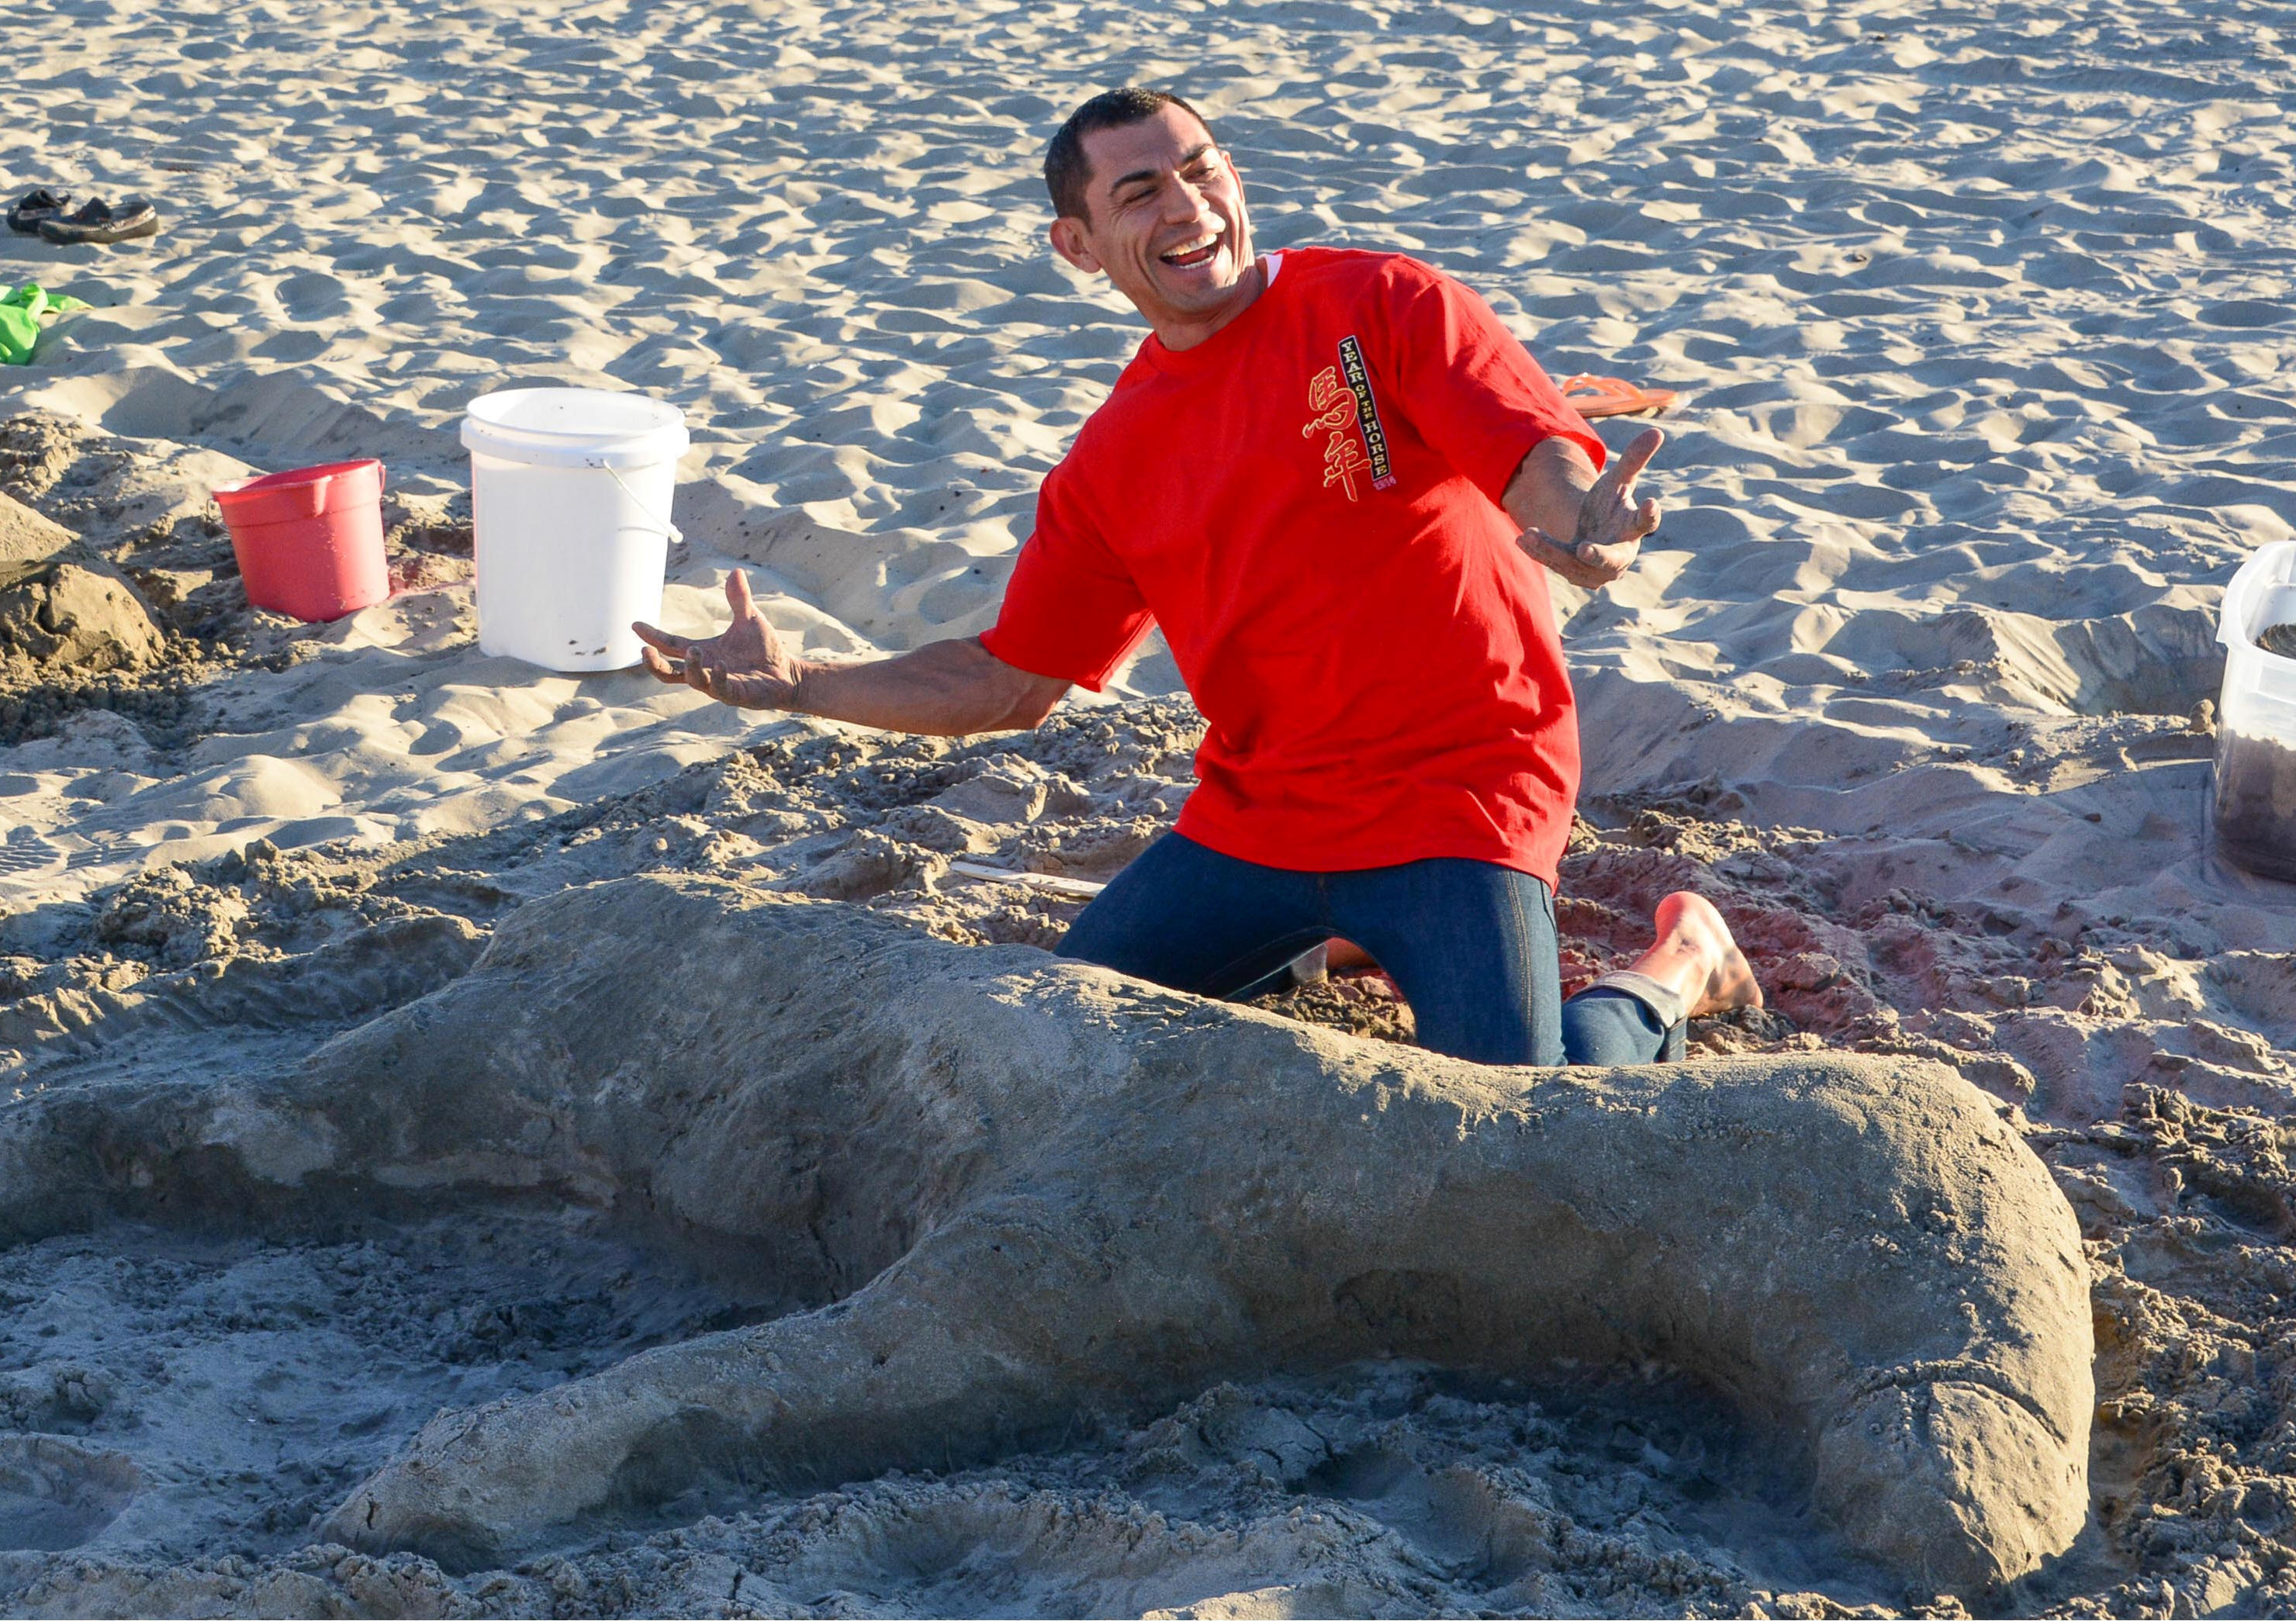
677 535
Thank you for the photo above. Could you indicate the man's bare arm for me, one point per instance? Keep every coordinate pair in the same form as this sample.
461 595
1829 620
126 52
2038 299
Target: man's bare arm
944 688
1584 526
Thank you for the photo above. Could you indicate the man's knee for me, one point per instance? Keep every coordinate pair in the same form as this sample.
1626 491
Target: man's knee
1095 934
1080 951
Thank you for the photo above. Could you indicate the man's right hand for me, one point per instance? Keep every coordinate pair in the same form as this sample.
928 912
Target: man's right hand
946 689
745 664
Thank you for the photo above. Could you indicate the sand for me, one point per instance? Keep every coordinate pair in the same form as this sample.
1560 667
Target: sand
1980 320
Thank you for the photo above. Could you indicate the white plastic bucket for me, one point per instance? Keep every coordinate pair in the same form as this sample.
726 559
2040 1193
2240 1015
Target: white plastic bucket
2255 799
569 509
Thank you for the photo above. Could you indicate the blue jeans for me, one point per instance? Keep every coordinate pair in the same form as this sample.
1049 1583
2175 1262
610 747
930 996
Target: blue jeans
1470 944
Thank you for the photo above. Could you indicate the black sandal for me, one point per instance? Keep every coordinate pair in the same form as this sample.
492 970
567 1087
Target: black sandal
36 205
98 221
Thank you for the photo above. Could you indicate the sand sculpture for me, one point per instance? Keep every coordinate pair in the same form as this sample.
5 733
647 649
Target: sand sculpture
1008 1197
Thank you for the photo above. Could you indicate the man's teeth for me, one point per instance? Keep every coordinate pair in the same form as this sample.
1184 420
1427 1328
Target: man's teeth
1189 249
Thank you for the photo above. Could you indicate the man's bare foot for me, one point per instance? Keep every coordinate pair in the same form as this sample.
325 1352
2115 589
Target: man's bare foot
1696 956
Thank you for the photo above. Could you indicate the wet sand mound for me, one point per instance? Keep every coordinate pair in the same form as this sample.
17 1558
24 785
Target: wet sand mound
56 1495
61 608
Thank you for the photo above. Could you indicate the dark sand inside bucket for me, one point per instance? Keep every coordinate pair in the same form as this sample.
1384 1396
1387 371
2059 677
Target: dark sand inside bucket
2256 788
2256 804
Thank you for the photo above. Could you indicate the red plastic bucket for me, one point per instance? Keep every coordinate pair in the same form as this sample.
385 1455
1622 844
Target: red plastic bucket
310 541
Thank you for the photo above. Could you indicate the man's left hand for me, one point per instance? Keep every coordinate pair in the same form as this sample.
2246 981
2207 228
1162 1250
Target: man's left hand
1611 524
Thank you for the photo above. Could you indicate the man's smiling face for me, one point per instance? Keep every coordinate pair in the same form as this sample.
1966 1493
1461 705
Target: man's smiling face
1166 222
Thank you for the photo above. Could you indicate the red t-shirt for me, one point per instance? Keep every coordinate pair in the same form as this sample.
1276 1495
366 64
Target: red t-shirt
1307 502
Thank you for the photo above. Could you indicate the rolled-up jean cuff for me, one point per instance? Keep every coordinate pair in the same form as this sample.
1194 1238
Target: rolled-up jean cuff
1665 1004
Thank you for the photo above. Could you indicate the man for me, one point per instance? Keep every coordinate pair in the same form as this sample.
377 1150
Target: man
1333 479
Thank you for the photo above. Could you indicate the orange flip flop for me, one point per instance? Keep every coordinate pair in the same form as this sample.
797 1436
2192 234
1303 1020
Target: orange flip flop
1612 396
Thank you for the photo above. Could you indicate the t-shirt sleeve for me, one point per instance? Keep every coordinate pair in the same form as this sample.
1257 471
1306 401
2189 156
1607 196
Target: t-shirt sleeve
1466 383
1071 611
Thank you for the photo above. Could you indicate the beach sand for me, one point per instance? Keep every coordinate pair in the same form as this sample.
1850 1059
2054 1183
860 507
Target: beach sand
1982 324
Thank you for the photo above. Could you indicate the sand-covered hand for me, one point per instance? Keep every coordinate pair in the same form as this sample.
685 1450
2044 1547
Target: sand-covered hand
745 665
1612 524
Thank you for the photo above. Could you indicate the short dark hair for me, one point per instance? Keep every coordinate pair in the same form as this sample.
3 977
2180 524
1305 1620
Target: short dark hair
1066 172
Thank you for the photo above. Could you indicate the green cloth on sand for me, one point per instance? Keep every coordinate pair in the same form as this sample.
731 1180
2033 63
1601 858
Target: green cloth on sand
20 319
